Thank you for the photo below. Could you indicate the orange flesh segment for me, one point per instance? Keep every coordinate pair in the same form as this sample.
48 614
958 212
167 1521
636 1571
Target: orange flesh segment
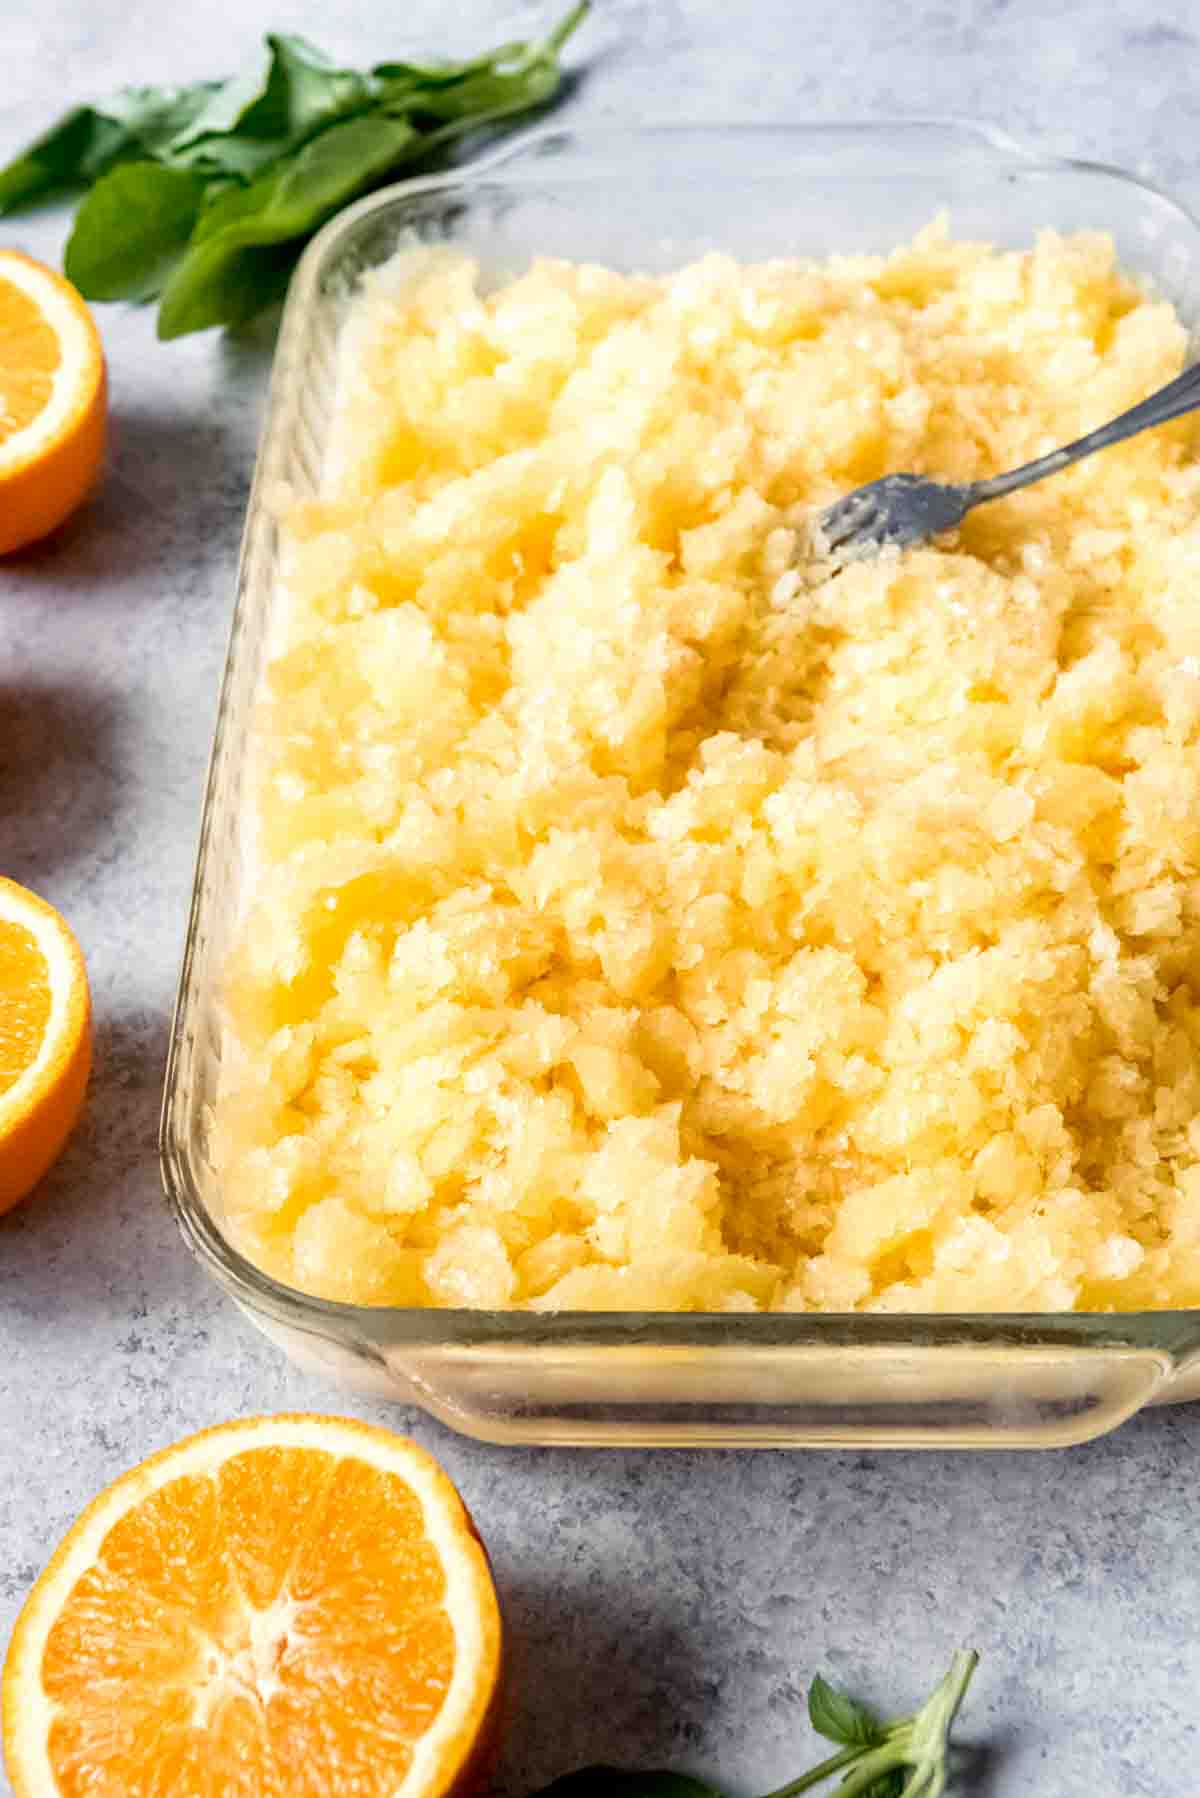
29 355
25 1001
276 1628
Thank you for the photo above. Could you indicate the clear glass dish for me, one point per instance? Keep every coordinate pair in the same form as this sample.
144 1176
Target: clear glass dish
651 199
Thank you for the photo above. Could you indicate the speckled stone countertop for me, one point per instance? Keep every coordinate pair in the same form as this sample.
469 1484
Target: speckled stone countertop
664 1607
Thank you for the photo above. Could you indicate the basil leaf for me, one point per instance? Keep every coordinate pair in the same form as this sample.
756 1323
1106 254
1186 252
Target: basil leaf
305 90
491 93
497 89
247 283
438 74
59 158
131 229
251 121
209 284
617 1782
90 140
840 1718
152 116
207 191
224 109
230 206
511 78
409 83
333 168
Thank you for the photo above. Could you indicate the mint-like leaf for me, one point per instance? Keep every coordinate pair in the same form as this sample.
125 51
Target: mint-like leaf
81 142
207 193
88 141
131 229
839 1718
251 121
905 1759
216 276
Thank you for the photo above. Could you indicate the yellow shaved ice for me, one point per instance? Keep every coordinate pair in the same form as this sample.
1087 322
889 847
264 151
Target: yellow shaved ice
647 916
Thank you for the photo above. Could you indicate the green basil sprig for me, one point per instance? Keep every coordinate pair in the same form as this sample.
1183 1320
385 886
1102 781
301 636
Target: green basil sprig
203 196
904 1759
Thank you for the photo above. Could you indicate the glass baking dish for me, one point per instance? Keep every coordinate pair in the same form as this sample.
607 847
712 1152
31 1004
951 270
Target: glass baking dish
651 199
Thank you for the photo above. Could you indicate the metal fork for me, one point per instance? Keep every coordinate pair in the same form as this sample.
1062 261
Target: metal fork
903 509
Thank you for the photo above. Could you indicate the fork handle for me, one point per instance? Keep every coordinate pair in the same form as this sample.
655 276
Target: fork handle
1172 401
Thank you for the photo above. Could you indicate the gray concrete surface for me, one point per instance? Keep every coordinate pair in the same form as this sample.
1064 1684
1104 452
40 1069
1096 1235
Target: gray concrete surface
663 1607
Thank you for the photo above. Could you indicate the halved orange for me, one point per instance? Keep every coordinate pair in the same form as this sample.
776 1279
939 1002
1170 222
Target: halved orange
289 1604
52 400
45 1038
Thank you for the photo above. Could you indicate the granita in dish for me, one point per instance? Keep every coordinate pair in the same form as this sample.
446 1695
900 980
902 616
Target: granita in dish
646 916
